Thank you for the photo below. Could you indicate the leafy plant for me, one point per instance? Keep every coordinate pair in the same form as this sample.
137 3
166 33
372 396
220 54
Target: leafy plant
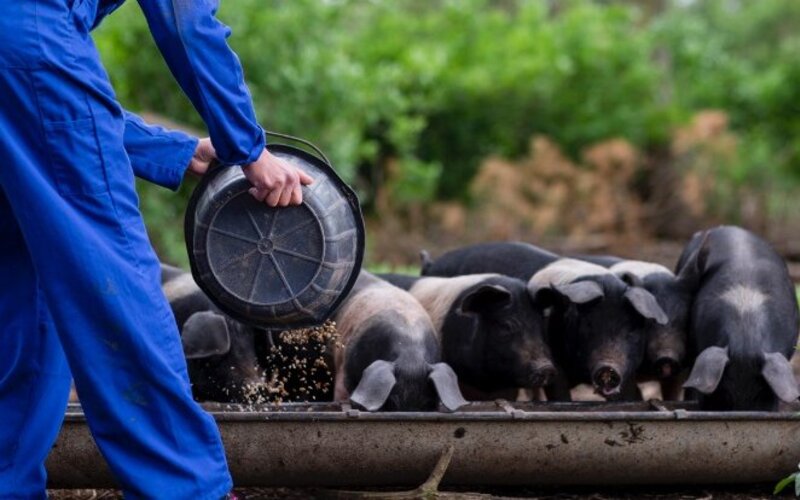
431 88
783 483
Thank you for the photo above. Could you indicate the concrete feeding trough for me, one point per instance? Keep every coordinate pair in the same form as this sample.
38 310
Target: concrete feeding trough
497 443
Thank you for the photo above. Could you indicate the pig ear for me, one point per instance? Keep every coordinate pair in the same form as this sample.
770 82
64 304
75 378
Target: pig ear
375 386
778 373
646 305
579 292
205 334
484 297
692 271
707 370
446 383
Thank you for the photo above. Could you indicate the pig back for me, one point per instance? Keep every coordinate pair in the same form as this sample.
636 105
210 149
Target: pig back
515 259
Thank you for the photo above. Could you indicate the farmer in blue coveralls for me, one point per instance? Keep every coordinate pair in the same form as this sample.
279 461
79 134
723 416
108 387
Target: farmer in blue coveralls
79 282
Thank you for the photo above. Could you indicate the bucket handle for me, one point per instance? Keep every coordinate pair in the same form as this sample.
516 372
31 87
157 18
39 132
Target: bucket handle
301 141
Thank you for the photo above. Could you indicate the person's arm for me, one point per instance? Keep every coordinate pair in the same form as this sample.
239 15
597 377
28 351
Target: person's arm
194 45
158 155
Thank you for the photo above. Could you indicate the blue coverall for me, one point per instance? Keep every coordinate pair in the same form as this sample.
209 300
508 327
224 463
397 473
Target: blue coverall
79 281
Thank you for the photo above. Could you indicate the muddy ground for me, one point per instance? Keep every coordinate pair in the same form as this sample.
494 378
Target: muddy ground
762 491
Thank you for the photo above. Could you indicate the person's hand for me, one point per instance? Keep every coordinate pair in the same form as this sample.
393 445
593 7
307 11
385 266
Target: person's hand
204 154
275 181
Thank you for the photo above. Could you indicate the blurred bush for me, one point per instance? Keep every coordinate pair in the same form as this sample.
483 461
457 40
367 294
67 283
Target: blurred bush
409 97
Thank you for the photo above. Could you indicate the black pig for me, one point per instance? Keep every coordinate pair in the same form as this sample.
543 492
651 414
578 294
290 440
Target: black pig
490 331
597 325
220 351
516 259
665 354
597 322
743 323
389 357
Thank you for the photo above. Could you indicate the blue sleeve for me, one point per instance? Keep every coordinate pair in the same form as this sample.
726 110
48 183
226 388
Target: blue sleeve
157 155
194 45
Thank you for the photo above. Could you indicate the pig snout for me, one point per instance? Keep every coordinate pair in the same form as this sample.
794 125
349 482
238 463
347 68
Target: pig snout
666 367
665 353
607 380
540 374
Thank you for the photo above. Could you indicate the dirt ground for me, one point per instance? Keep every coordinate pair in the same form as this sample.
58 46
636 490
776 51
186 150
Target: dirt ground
761 491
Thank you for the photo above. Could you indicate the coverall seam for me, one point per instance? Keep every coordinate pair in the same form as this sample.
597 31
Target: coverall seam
112 199
41 125
139 126
38 32
179 170
100 154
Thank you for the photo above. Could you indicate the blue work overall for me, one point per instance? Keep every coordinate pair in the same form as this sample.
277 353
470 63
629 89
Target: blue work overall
79 281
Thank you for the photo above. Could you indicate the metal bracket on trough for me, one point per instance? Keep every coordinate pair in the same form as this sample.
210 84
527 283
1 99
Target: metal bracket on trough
351 412
681 414
507 407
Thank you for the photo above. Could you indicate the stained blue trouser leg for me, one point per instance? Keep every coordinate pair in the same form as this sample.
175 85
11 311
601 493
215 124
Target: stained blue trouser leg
34 379
70 187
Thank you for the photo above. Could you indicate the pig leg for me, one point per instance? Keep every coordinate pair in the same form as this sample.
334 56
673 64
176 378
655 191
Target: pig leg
558 390
672 387
340 392
630 391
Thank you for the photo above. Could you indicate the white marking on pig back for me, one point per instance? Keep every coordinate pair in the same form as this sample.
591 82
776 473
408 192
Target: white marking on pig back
639 268
744 298
438 294
374 300
379 299
182 286
565 271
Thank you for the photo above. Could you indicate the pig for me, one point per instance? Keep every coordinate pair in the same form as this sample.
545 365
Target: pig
516 259
596 325
220 352
665 353
489 330
600 260
743 324
388 357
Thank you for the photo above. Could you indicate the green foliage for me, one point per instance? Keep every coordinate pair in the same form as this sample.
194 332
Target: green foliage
383 268
438 85
435 84
783 483
740 57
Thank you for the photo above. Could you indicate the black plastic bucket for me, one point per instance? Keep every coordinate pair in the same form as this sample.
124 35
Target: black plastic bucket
276 268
